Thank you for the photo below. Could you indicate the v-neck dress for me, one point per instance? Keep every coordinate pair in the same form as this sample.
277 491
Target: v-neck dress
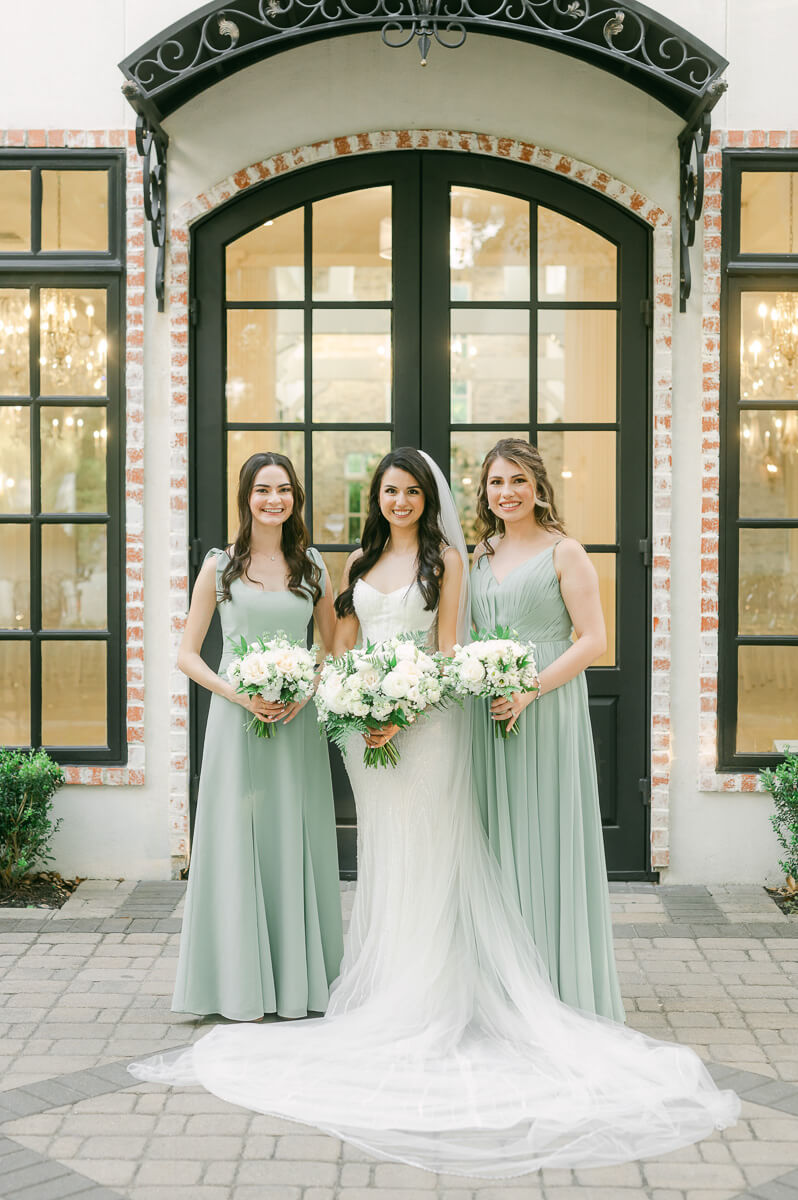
262 925
538 795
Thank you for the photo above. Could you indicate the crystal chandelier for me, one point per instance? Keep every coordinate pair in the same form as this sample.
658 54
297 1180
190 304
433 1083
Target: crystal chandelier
769 358
73 347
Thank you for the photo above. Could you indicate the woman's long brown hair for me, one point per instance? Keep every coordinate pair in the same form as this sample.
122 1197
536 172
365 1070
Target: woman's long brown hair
376 531
304 577
529 462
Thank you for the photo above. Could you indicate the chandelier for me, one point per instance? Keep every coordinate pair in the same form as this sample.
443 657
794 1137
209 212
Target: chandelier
73 347
769 354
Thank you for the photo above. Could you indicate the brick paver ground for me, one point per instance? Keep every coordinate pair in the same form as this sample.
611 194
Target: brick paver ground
87 988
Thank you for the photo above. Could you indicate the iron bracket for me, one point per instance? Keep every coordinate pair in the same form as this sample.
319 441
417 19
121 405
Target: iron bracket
152 142
693 146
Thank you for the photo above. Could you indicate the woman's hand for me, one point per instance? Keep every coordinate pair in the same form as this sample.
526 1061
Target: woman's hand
260 708
379 737
291 710
510 709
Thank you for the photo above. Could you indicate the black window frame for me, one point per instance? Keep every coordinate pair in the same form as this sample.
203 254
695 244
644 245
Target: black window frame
741 272
36 269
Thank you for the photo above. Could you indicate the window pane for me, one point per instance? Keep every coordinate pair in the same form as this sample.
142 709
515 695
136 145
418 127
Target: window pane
581 467
769 464
351 365
15 209
14 577
767 698
74 577
335 561
73 444
14 459
768 581
75 210
343 463
73 342
265 365
74 694
352 246
468 449
488 245
268 262
14 693
605 565
14 340
490 365
768 212
769 346
241 443
576 365
574 263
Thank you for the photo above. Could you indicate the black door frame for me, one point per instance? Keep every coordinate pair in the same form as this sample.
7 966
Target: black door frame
422 369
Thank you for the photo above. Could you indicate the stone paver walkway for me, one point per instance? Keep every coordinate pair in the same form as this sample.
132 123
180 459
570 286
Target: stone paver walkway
85 989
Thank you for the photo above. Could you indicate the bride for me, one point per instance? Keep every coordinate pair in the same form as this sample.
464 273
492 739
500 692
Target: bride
444 1045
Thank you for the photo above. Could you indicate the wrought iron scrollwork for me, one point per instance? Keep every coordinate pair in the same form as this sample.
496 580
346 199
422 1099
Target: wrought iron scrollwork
152 142
693 145
675 66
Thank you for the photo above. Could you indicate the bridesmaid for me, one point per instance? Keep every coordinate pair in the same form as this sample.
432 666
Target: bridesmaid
262 925
537 791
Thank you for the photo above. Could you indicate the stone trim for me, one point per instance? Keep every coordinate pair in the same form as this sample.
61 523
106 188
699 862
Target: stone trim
105 139
474 143
709 779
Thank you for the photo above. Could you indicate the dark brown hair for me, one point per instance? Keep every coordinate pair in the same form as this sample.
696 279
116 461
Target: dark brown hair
376 531
529 462
304 577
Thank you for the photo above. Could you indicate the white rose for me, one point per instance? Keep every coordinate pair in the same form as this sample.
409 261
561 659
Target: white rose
368 675
406 652
395 685
472 671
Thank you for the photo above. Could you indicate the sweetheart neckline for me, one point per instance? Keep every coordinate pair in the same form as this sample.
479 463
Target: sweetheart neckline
405 587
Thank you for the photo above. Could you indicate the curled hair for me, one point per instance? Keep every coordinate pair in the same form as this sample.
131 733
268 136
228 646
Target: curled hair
304 576
376 532
529 462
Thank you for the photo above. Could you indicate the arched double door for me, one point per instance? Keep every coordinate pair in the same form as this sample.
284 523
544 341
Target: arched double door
439 300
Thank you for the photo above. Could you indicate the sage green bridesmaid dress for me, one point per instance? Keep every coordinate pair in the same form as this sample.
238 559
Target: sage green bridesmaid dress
262 924
538 795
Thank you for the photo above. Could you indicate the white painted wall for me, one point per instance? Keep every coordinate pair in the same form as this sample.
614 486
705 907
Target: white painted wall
354 84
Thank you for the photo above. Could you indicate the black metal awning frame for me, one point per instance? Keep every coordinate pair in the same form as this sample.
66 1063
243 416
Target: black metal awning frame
627 39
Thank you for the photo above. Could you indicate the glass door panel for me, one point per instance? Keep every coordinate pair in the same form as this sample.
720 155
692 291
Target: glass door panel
15 314
488 245
353 246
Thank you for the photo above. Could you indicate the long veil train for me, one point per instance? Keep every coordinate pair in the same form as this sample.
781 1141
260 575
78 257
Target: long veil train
444 1045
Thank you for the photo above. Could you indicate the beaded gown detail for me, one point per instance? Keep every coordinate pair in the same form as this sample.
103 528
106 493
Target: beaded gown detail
444 1045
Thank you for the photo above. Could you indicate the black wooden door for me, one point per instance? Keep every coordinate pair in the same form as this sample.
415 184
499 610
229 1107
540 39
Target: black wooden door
438 300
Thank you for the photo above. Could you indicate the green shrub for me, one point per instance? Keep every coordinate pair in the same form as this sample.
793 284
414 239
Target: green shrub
28 781
782 783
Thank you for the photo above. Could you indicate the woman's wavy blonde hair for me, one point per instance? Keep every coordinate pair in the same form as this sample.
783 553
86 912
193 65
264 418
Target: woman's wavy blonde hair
528 460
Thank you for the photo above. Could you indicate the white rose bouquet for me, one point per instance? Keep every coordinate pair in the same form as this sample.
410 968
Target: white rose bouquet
277 669
388 683
495 664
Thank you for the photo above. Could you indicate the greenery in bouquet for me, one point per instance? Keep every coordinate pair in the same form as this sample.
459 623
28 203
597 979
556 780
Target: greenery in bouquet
384 683
495 663
278 669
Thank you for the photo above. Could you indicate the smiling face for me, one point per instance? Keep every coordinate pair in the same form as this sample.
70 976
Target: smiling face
401 498
510 493
271 500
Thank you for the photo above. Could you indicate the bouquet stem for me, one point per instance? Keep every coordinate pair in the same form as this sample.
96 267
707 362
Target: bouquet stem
381 756
500 730
263 729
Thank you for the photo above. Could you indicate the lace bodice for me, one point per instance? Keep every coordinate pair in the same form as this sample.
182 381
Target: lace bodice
384 614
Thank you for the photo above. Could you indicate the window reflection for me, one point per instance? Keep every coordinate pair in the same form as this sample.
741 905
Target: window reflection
14 459
265 365
14 576
574 263
74 693
14 693
352 365
489 365
74 444
767 704
488 245
769 346
75 210
353 246
74 577
268 262
15 313
74 348
15 207
343 464
768 212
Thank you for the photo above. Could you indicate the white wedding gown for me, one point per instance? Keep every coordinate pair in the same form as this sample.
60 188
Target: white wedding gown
444 1045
